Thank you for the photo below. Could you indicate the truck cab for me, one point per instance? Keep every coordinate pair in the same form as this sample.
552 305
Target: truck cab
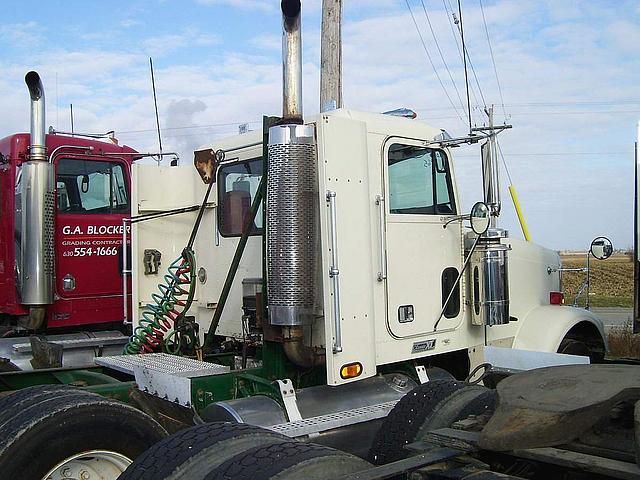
389 241
91 197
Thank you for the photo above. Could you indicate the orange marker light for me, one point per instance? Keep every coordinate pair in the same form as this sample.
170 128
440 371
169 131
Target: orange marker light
351 370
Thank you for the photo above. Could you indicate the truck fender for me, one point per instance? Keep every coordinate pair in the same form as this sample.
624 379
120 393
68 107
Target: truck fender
544 327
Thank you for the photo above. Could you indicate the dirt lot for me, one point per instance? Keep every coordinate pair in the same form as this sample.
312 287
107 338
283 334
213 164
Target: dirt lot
611 280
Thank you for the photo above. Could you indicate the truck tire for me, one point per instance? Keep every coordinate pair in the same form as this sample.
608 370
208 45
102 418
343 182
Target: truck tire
429 406
636 429
18 401
74 431
194 452
288 461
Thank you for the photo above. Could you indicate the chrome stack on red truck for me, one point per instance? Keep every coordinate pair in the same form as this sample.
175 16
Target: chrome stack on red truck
63 201
330 313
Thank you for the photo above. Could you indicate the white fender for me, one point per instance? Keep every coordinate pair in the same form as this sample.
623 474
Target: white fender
545 327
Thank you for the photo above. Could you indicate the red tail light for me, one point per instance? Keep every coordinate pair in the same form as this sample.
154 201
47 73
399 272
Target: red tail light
556 298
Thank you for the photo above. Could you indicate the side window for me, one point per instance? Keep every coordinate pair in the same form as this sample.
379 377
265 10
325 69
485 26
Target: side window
88 186
419 181
237 187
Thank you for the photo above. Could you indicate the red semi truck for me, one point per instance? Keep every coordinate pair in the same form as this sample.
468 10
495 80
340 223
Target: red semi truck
63 199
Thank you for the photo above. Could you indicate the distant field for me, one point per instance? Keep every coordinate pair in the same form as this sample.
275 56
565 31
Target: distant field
611 280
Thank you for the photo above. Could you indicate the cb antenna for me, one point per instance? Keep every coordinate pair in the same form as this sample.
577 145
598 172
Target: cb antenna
464 58
155 102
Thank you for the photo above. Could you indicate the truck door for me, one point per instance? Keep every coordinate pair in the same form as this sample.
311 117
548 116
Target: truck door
422 258
92 199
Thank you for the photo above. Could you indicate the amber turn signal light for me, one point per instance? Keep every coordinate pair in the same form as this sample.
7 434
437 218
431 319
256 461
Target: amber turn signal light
351 370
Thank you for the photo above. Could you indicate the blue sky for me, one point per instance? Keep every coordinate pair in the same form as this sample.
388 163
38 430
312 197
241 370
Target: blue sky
569 74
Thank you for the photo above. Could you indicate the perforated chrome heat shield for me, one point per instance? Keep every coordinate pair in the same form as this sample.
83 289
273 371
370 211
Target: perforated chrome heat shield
292 224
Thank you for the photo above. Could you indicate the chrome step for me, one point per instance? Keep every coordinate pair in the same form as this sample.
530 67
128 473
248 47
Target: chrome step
163 375
76 343
162 363
313 425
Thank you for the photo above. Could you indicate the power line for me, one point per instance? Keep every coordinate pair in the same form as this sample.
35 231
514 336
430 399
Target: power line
455 38
424 46
584 112
504 162
556 154
190 126
493 60
433 34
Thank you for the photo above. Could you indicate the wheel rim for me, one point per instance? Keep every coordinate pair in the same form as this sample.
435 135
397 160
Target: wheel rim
91 465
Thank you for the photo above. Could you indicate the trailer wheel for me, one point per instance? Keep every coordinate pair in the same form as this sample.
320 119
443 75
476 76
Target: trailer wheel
429 406
195 451
74 435
288 461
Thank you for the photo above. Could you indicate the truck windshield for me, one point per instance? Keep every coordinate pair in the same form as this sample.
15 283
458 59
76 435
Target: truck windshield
89 186
419 181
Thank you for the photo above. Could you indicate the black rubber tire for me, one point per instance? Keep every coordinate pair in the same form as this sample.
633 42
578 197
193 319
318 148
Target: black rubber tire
63 424
401 425
287 461
20 400
429 406
569 346
636 428
194 452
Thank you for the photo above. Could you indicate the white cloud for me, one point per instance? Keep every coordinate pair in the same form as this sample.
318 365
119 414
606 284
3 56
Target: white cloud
22 35
262 5
545 53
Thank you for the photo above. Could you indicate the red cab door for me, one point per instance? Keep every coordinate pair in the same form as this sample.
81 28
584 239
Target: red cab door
92 201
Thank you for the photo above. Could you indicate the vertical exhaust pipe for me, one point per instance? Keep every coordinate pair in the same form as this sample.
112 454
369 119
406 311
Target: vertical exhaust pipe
35 222
293 207
291 61
37 149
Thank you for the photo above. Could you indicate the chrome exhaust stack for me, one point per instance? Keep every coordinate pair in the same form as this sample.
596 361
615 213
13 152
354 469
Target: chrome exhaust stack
37 149
36 203
293 206
291 61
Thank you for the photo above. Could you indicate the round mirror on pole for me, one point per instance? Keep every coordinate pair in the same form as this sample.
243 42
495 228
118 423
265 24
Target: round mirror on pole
480 218
601 248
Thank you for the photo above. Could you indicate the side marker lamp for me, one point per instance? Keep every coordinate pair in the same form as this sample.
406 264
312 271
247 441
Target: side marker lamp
556 298
351 370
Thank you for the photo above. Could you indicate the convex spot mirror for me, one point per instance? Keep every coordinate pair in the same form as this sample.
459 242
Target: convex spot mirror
601 248
479 218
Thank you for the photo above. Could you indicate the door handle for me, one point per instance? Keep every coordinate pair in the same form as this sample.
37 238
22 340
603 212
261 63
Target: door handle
382 273
334 271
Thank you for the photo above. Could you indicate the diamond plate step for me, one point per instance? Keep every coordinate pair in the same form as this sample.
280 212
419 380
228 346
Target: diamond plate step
77 343
163 375
161 363
309 426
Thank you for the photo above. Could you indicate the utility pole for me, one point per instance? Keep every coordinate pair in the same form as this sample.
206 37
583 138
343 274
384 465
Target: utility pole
331 56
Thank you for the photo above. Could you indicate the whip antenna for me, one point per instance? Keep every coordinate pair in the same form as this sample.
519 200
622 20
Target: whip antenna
464 57
155 102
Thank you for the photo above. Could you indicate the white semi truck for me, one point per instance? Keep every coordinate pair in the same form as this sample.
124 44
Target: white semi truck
328 272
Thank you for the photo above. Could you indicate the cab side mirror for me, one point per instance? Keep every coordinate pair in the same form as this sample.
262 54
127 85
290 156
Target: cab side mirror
601 248
479 218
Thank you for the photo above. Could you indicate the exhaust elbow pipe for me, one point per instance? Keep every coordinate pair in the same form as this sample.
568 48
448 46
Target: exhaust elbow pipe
298 353
37 203
291 61
37 151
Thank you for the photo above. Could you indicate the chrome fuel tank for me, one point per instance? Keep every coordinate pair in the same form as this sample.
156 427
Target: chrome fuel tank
321 400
